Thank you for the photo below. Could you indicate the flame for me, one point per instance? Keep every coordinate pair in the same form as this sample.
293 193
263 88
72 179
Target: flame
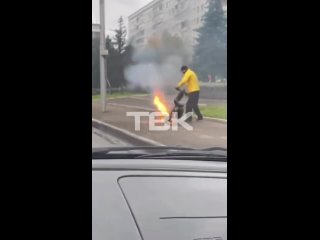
160 105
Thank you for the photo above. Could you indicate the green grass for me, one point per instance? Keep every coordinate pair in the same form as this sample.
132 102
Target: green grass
116 95
214 111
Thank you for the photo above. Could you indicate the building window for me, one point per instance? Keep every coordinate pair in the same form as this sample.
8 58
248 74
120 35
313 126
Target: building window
183 24
155 9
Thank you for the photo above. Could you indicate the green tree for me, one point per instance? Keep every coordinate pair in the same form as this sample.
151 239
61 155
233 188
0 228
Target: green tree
127 55
119 56
210 55
110 45
113 64
120 36
116 53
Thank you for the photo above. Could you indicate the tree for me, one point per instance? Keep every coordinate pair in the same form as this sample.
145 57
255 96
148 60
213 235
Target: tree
116 53
119 56
127 55
210 55
113 63
110 46
117 60
120 36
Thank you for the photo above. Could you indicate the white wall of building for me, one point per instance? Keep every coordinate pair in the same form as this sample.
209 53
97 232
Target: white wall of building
178 17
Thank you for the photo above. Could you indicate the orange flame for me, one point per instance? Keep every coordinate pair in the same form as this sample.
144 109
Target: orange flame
161 104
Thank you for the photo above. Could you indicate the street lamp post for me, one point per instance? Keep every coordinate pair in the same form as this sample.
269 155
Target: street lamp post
103 53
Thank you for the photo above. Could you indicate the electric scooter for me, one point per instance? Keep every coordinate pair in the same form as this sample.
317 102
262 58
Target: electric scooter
178 107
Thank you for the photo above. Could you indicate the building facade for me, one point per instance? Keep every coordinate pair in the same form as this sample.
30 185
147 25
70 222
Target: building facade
178 17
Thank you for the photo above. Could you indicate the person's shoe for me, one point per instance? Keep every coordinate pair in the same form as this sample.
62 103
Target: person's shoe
200 118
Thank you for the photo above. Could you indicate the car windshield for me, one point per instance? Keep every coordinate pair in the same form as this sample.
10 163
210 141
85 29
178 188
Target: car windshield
159 74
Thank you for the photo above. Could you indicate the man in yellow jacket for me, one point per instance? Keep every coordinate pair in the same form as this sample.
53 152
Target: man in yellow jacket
190 79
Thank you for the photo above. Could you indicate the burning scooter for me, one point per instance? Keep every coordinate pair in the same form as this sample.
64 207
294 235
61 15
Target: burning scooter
178 107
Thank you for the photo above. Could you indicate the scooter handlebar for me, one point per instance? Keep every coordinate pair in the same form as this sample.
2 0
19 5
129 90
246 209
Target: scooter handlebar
182 90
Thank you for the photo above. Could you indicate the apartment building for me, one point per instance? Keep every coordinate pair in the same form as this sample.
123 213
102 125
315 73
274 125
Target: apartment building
178 17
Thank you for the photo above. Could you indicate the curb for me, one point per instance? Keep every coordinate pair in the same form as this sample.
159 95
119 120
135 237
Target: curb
124 134
216 119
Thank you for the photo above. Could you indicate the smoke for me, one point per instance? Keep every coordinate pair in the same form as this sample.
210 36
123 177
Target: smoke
157 66
152 75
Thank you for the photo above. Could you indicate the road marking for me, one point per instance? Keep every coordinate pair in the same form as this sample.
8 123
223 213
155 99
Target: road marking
139 97
212 137
131 106
206 136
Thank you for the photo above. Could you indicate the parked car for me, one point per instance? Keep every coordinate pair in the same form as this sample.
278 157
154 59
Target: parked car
159 193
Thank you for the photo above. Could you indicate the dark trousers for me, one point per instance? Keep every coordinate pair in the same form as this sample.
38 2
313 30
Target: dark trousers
192 104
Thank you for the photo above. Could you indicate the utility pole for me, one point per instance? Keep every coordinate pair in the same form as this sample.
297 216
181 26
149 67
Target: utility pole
103 55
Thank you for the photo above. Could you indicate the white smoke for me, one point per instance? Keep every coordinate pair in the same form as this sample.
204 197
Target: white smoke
157 67
155 75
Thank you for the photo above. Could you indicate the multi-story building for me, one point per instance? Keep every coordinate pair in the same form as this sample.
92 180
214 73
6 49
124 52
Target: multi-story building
178 17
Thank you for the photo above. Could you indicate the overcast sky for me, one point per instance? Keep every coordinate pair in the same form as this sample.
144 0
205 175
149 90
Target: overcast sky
115 9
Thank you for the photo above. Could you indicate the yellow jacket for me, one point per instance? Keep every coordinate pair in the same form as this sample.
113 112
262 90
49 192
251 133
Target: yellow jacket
191 80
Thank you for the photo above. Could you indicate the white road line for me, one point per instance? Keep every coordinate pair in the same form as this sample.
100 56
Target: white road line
131 106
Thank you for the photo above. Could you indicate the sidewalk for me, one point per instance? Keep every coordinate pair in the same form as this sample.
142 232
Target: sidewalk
206 133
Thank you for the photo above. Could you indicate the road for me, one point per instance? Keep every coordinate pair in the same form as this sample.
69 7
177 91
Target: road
101 140
206 133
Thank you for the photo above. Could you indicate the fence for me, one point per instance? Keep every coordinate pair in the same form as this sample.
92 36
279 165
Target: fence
96 91
208 90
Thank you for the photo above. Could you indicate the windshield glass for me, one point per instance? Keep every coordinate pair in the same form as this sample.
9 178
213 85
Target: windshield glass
159 73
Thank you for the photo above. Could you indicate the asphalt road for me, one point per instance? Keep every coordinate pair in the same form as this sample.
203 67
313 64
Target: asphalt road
206 133
101 140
